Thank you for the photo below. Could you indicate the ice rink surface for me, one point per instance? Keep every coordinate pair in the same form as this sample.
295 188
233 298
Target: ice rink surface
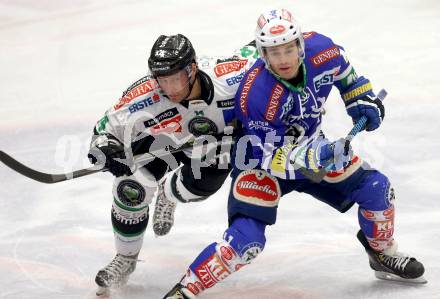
63 63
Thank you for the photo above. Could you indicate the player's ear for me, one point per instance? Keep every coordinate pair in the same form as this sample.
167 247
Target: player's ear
194 69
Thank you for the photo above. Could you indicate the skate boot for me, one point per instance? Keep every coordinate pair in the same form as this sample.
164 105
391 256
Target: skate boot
116 273
163 217
396 267
179 292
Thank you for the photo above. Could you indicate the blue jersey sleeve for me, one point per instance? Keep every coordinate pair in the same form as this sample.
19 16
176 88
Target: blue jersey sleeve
327 58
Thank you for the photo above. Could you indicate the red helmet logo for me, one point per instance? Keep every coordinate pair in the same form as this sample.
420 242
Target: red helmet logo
278 29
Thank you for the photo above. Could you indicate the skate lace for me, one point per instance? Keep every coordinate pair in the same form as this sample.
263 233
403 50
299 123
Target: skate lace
120 266
163 211
398 262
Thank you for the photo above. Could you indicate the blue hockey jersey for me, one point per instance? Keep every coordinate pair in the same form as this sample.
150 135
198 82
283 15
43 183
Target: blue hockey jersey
273 112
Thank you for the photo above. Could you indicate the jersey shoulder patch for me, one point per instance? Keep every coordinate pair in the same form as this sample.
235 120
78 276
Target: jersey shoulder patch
226 74
320 49
141 88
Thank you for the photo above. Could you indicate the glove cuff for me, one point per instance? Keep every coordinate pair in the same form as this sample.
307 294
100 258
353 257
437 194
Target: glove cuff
104 140
361 88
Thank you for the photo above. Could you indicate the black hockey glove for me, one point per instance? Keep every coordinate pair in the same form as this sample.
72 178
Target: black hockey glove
104 150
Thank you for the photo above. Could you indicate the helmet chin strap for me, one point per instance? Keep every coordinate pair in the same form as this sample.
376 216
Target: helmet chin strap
191 84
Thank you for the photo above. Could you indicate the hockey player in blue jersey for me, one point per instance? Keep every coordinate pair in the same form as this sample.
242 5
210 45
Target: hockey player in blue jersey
279 104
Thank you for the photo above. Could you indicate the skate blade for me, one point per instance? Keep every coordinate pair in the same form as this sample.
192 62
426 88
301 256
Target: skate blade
103 292
393 277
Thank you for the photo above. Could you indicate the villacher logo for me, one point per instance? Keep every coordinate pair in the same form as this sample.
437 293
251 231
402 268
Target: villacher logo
257 188
254 186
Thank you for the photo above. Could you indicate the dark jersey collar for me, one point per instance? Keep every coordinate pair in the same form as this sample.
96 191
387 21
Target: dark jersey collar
206 86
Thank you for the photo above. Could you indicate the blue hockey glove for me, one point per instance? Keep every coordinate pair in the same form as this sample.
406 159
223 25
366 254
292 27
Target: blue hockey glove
361 101
322 153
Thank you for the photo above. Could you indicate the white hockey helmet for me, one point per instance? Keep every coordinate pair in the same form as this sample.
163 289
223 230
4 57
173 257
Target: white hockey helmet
278 27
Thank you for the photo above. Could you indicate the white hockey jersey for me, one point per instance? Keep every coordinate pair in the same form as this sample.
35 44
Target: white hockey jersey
144 111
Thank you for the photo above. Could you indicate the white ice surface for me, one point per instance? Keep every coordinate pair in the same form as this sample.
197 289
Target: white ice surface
62 63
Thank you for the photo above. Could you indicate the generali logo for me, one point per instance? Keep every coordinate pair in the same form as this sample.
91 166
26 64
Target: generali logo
325 56
246 88
274 102
135 92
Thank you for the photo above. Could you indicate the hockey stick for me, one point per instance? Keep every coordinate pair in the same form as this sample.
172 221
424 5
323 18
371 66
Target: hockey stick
317 177
49 178
42 177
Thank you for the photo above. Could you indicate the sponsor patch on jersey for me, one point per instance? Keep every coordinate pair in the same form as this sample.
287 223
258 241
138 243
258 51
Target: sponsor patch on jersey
100 126
325 56
325 78
235 80
229 67
226 104
246 88
136 91
167 114
257 187
144 103
201 125
168 126
274 102
249 51
165 122
260 125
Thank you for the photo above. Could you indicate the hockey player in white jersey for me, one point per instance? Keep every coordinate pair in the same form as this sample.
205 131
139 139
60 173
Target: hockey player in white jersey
181 98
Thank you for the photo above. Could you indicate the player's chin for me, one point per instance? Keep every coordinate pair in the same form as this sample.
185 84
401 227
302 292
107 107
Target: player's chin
286 73
175 98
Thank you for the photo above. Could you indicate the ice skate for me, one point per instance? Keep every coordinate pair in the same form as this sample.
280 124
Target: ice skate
163 217
115 274
397 267
179 292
